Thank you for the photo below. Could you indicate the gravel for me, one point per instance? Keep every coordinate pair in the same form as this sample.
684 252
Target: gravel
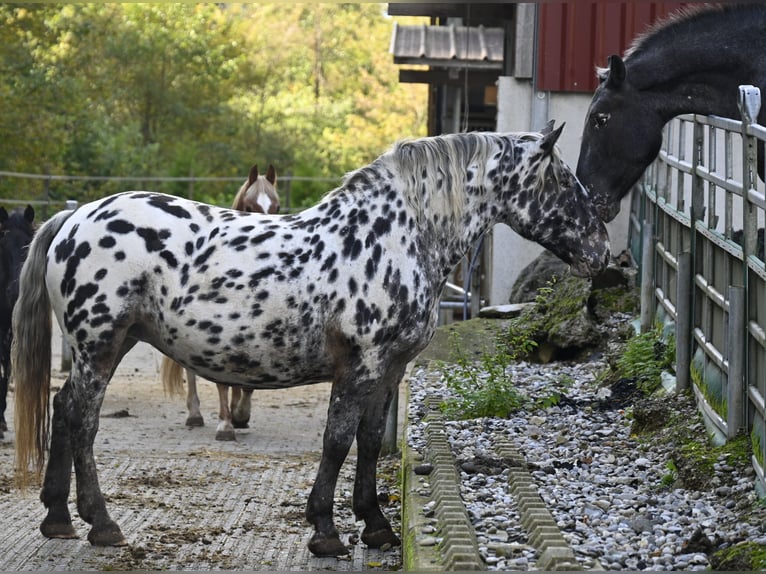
611 493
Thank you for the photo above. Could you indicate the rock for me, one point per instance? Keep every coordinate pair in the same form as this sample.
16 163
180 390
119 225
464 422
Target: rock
423 469
503 311
536 275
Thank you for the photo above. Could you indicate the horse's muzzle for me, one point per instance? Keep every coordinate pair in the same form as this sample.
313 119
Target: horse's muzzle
592 263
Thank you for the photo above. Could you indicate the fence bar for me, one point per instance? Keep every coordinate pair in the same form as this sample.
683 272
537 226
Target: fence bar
647 275
736 336
683 320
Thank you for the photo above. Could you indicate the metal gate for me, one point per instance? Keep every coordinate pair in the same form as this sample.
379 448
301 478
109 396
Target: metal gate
697 227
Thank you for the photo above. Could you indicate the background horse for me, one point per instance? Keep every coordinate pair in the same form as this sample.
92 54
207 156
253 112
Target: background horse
257 195
346 291
16 232
690 63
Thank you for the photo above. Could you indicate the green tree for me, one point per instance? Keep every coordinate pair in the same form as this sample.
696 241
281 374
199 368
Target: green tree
201 89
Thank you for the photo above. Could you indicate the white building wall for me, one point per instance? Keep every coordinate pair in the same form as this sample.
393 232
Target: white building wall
519 109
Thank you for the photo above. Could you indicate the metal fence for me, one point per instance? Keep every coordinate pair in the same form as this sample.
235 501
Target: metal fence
697 226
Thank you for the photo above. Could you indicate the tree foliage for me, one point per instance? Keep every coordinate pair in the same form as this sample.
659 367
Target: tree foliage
196 89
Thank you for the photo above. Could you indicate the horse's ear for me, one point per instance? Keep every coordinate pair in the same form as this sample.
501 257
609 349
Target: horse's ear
549 140
253 176
3 215
548 127
271 175
29 214
616 75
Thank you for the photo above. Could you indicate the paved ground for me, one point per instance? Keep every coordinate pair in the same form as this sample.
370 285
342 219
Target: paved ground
186 501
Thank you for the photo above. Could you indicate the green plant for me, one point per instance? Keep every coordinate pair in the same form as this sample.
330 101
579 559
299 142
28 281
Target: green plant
644 358
669 478
481 389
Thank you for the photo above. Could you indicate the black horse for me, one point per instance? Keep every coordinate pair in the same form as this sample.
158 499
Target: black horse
693 62
16 232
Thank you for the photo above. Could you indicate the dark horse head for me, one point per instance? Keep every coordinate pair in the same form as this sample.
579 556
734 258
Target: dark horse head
692 62
16 232
621 137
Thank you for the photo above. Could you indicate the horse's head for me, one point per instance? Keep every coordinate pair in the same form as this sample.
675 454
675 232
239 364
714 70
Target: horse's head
621 137
258 194
19 223
16 233
553 209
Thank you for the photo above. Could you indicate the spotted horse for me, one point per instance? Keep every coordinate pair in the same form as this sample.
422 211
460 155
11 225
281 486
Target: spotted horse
258 195
346 291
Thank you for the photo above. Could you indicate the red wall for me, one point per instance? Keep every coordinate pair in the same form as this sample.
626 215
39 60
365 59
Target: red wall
575 37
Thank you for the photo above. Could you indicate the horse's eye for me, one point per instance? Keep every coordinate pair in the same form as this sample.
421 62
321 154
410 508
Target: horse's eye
600 120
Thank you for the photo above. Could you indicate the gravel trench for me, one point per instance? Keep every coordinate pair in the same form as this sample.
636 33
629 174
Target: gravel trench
610 491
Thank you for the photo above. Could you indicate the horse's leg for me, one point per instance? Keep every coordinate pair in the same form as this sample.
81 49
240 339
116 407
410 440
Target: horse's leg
5 373
192 401
240 411
346 404
55 492
224 430
369 437
3 401
90 501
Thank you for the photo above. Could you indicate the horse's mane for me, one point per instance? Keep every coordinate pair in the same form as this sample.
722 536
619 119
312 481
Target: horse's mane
434 170
677 38
663 27
440 164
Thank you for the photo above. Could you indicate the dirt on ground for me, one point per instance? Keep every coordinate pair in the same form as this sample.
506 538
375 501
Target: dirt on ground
186 501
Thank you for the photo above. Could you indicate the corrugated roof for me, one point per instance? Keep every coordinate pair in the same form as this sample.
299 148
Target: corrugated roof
448 46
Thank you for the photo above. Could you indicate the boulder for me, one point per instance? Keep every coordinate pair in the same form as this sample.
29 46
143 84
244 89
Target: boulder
565 318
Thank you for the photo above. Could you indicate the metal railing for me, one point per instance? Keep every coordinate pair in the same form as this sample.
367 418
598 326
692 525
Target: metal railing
696 226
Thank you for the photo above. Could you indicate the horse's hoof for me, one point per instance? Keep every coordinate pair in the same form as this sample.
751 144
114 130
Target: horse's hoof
321 545
195 421
63 530
107 536
240 424
225 435
380 538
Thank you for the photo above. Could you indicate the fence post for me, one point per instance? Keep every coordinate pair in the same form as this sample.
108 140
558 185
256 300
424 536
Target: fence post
647 275
736 359
749 107
683 320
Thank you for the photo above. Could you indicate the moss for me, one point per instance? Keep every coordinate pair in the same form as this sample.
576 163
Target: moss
745 556
606 302
755 440
559 311
709 382
477 337
695 458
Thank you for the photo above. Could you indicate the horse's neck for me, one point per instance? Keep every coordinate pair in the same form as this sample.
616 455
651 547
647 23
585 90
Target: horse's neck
693 76
712 95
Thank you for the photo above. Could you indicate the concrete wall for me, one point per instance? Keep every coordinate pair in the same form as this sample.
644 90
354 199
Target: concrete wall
521 109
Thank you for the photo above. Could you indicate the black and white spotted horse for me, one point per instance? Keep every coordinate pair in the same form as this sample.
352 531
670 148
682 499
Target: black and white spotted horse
16 232
257 195
346 291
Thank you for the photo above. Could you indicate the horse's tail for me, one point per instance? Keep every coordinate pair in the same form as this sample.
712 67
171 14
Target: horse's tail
170 373
31 354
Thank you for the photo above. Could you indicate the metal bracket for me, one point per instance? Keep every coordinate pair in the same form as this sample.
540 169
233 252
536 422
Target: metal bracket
749 103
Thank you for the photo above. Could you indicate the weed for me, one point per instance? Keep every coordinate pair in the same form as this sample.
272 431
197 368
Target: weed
644 358
483 389
669 478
